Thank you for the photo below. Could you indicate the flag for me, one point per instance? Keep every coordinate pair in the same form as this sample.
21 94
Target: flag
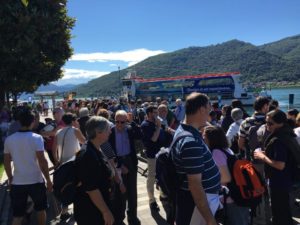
25 2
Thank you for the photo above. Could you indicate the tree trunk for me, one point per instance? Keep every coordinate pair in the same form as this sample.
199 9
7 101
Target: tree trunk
7 98
2 97
15 98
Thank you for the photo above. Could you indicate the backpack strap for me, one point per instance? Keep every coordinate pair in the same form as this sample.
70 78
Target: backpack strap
63 144
181 135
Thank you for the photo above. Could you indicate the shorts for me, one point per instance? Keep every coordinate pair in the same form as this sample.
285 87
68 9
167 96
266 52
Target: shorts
19 195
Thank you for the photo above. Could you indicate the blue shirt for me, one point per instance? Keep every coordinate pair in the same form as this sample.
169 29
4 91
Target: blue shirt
122 143
192 156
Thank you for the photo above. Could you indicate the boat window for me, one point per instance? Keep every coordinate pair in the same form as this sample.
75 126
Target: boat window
127 82
148 86
216 81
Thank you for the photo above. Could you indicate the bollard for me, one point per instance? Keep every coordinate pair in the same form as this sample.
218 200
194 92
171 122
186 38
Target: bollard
291 100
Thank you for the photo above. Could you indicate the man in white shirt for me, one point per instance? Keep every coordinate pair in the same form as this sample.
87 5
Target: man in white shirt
26 150
233 131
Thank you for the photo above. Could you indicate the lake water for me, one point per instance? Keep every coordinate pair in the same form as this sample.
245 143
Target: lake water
281 95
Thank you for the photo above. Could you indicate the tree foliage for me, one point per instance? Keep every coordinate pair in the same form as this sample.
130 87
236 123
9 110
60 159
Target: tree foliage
34 43
256 63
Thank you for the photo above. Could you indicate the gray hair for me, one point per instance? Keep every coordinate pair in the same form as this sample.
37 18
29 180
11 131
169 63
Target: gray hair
237 114
83 112
95 124
121 113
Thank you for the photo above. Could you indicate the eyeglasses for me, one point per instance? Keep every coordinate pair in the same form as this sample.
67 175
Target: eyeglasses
121 122
269 123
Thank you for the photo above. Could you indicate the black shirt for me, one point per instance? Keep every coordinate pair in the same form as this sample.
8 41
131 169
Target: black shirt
148 129
94 173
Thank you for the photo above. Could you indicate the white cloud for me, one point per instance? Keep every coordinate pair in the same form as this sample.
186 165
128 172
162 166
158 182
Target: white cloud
131 57
80 74
113 65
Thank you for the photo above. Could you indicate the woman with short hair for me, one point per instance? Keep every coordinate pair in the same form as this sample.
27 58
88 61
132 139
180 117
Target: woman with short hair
92 200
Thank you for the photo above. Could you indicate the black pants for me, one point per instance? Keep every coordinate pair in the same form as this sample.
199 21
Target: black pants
281 210
119 201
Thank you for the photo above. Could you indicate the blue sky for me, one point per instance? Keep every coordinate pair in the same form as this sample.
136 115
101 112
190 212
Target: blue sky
118 33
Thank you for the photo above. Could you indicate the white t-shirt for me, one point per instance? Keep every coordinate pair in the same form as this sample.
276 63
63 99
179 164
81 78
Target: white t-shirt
22 146
71 143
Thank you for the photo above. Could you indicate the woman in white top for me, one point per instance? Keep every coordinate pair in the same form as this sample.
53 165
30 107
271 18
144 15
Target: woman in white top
67 141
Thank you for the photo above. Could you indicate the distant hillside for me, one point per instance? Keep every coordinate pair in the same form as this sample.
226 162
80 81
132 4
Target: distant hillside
270 62
288 48
53 87
49 87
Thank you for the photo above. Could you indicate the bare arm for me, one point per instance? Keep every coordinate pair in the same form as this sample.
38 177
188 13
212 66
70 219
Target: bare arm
7 166
79 136
44 168
225 175
275 164
97 199
199 196
55 151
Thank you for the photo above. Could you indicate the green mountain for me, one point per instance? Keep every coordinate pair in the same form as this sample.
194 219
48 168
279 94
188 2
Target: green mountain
287 48
276 62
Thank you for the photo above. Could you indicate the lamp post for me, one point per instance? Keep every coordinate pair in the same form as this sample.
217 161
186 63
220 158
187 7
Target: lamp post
120 82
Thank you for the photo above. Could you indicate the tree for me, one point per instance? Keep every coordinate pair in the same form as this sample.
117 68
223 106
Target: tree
34 44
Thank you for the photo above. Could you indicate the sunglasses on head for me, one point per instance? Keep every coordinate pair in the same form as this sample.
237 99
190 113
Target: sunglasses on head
121 122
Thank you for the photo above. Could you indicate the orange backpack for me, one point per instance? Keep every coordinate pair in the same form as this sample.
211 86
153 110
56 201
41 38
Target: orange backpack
247 186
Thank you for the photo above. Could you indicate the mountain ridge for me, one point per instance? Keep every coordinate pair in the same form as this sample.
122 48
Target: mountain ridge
276 61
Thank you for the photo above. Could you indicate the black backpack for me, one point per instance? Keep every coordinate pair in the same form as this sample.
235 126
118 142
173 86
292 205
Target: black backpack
166 176
65 179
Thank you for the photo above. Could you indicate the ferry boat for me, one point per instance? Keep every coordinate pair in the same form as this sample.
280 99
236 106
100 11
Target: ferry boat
221 87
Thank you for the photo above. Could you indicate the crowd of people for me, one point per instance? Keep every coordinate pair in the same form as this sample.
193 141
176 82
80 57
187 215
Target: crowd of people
113 135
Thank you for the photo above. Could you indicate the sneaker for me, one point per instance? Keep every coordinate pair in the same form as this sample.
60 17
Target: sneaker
154 206
65 216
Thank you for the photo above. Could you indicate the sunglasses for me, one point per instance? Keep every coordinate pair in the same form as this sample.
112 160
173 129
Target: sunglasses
121 122
269 123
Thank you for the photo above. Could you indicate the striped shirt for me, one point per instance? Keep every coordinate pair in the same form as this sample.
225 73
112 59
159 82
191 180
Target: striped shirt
256 119
192 156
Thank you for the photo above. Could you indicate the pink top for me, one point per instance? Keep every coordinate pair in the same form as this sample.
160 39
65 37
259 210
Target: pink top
221 160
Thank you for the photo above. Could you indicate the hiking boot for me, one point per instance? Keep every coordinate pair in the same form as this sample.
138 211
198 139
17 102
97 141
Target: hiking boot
154 206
